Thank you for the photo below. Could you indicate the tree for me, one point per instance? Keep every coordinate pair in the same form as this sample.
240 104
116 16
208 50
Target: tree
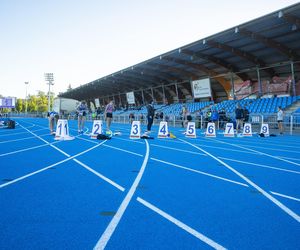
19 105
32 103
69 87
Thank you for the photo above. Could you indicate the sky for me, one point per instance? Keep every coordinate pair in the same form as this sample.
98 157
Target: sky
82 40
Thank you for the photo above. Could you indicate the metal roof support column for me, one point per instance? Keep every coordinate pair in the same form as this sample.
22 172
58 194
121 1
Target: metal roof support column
176 88
164 96
152 94
293 78
120 100
143 97
259 82
232 85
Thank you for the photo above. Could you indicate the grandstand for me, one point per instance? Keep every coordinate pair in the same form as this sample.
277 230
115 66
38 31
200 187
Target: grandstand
254 59
256 64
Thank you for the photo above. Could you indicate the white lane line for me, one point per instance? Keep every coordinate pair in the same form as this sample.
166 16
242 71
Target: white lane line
123 150
182 225
224 149
267 195
52 165
257 152
262 142
58 149
84 165
269 148
130 140
116 219
100 175
199 172
259 165
27 149
285 196
22 139
177 149
289 158
160 146
116 148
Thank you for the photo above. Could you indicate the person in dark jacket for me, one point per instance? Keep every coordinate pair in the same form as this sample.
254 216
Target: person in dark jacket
246 115
239 116
150 116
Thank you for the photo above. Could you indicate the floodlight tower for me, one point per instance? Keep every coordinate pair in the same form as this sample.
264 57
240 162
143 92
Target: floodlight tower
26 84
49 79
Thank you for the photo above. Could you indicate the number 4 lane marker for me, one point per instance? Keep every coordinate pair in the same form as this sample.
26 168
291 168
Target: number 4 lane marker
163 130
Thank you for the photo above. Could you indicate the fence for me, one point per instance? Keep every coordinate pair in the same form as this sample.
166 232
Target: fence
291 122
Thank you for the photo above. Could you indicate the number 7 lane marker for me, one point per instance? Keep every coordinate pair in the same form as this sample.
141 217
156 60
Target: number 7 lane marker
270 197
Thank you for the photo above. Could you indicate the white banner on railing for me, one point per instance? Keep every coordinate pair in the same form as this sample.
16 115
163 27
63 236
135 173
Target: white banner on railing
201 88
97 102
130 97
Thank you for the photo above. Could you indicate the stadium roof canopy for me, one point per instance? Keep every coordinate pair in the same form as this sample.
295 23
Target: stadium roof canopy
263 43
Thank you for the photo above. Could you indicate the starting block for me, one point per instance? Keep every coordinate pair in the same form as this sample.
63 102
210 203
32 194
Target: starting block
62 131
97 129
135 132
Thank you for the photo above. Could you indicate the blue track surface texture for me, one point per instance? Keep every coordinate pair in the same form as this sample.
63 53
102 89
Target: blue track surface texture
183 193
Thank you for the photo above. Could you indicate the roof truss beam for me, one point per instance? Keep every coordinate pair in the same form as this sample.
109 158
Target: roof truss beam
243 54
269 42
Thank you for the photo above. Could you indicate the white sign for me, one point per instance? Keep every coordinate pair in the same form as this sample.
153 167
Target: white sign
135 132
163 130
191 130
97 129
247 131
265 129
201 88
130 97
210 130
97 102
62 130
229 130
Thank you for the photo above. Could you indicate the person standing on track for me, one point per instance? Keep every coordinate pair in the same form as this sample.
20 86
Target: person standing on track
53 118
239 115
280 120
82 112
108 114
150 116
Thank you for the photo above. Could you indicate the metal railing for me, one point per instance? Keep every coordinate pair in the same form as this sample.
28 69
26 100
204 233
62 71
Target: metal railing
291 122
